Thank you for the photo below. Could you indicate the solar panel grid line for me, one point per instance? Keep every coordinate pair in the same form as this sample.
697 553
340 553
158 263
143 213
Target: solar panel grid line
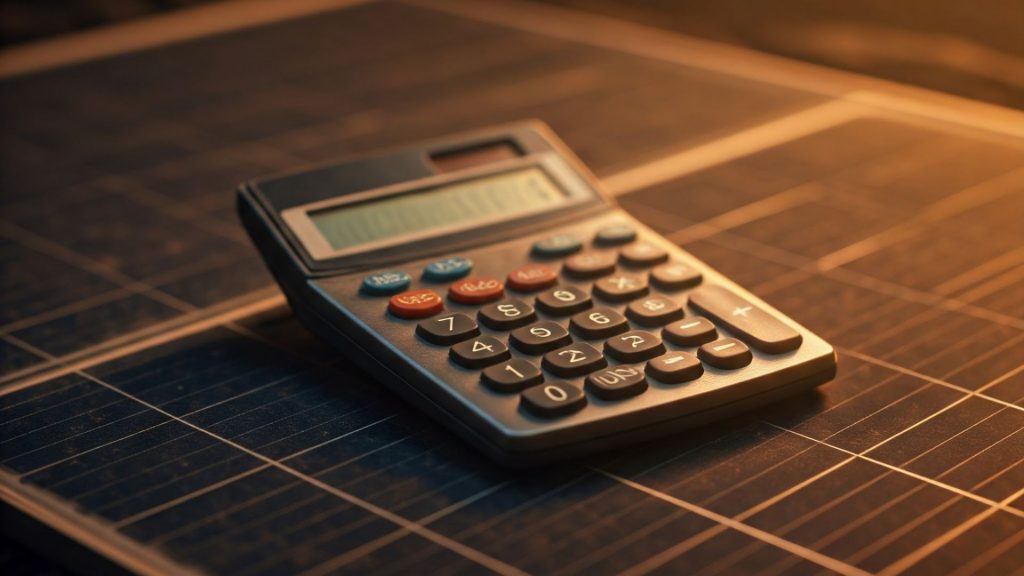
146 338
934 482
738 144
912 558
459 548
949 206
851 277
981 560
978 393
805 553
666 556
332 565
659 44
21 235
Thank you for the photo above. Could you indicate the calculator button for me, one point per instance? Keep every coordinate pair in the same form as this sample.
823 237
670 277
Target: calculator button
634 346
601 322
553 399
643 254
512 376
531 277
620 233
563 300
754 325
447 329
447 269
556 246
617 382
383 283
590 264
621 287
675 276
654 311
576 359
479 352
507 314
416 304
540 337
675 367
476 290
690 332
728 353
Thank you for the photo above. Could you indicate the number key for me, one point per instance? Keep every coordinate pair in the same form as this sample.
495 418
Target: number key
507 314
447 329
563 300
540 337
601 322
634 346
576 359
553 399
512 376
479 352
654 311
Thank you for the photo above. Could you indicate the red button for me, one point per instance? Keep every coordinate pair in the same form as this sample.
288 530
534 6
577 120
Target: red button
476 290
531 277
416 304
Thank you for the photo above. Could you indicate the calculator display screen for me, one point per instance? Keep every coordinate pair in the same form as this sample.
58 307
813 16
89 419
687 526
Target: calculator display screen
486 199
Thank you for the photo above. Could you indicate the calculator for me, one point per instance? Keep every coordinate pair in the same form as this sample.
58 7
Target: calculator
487 279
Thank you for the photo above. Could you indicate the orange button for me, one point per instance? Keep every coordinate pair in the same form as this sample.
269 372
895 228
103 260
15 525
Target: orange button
416 304
531 277
476 289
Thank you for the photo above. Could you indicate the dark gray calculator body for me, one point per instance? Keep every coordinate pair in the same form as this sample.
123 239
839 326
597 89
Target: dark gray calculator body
486 279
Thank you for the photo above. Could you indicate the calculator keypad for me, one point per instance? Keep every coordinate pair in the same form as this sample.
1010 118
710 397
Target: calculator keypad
590 264
479 352
675 276
576 359
594 348
621 287
692 331
476 290
727 353
507 314
531 277
540 337
416 304
447 329
675 368
634 346
553 399
654 311
617 382
512 376
643 254
563 301
601 322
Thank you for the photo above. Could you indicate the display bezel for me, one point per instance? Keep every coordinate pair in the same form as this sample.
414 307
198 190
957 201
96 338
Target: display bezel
300 222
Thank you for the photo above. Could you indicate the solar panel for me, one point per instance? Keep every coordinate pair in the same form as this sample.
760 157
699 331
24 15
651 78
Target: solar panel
244 445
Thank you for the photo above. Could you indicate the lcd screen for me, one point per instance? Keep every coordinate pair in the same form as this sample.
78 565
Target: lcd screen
481 200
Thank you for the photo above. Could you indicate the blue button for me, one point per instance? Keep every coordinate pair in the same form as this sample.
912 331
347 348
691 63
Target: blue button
619 233
557 245
388 282
447 269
